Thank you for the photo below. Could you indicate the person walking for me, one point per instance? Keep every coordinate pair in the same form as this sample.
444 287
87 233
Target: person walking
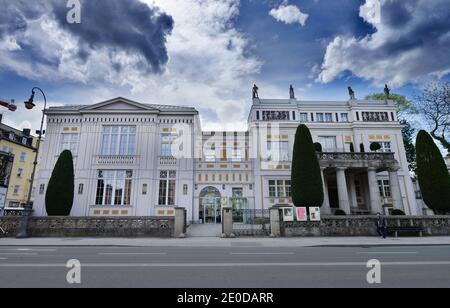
381 224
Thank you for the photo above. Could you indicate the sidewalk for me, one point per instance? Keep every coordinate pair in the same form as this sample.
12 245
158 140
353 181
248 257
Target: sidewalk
238 242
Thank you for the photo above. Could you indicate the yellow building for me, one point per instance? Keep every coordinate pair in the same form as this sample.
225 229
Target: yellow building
22 145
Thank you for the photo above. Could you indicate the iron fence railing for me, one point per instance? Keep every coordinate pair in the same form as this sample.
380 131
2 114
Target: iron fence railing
250 222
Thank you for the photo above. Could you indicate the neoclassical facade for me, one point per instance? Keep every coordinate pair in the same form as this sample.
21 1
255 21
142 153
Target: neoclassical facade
134 159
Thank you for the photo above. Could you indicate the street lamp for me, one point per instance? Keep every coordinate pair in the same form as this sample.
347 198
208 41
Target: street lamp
23 233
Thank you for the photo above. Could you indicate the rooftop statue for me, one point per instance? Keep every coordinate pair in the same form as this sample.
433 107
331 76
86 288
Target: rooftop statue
291 92
255 91
351 93
387 92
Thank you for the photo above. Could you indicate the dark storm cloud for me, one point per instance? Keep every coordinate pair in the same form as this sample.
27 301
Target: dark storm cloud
117 25
412 41
126 25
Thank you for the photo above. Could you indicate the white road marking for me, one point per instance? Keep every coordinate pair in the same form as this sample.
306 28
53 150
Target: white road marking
131 253
29 250
388 252
262 253
3 258
215 265
18 253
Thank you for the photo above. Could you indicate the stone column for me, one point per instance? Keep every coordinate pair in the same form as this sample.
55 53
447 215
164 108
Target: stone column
275 222
344 203
180 222
326 201
395 189
352 190
227 222
374 192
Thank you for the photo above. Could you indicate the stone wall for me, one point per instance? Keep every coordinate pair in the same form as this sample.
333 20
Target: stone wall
93 226
363 226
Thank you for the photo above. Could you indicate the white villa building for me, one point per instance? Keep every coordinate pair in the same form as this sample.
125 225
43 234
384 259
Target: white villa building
134 159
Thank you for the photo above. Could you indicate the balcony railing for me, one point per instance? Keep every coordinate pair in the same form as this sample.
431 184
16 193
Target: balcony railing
357 156
167 161
116 160
380 161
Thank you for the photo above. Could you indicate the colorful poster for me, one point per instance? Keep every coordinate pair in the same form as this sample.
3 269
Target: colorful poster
302 214
314 213
288 214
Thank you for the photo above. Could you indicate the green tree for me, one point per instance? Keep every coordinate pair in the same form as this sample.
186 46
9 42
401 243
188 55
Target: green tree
408 133
402 104
433 175
375 146
307 188
60 190
404 107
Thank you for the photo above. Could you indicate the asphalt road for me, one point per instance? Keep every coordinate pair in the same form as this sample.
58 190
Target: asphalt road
225 267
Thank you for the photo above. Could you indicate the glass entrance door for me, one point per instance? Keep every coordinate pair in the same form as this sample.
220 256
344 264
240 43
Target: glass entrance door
210 206
211 210
240 213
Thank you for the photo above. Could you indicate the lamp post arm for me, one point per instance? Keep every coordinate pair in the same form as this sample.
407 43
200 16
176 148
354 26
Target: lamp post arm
38 145
28 208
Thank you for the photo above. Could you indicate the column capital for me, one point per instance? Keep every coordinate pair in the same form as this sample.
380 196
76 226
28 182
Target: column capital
372 169
341 168
394 169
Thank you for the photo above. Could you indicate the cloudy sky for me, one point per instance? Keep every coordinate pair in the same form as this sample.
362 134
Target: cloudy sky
208 53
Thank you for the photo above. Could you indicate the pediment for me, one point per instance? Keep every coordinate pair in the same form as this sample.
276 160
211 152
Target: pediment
120 104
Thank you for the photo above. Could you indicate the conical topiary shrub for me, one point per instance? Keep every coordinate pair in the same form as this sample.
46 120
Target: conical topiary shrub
307 187
60 190
433 175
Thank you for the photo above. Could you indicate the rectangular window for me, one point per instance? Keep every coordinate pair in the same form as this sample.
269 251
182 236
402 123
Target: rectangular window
144 189
344 117
237 192
114 187
385 188
328 117
19 172
23 156
185 189
304 117
236 155
69 142
167 185
167 145
210 154
320 117
41 189
328 143
16 190
280 189
278 151
80 189
386 147
119 140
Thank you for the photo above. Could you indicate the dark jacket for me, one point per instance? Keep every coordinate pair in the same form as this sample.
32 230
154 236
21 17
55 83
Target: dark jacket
381 223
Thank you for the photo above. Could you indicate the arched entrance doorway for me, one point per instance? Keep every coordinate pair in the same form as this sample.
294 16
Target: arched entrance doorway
210 206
